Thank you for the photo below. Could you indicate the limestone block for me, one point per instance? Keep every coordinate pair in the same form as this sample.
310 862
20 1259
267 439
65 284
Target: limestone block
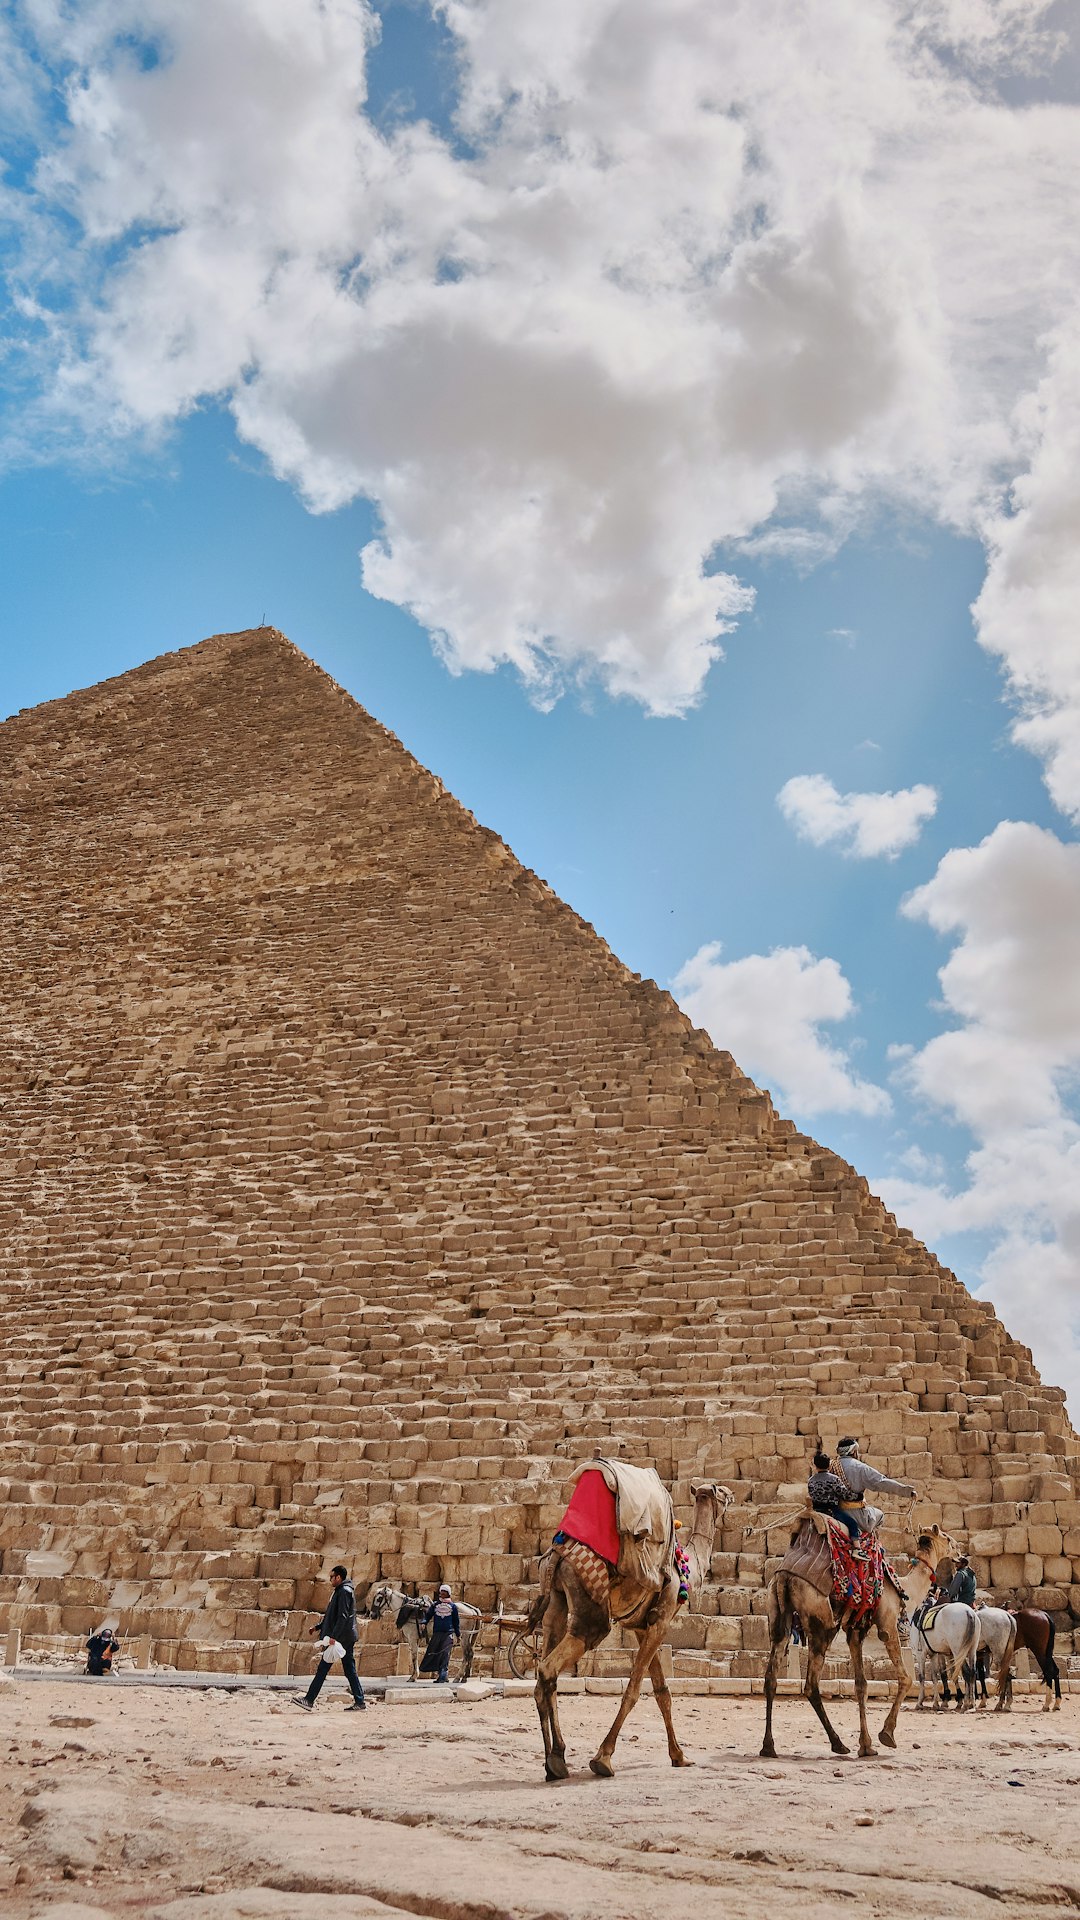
1045 1540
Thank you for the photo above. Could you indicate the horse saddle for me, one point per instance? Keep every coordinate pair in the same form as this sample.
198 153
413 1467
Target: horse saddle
924 1617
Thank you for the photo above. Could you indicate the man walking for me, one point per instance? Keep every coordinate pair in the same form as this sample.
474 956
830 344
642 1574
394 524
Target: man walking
337 1630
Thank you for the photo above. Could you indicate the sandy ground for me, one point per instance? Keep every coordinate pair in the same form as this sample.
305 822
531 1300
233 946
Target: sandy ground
213 1806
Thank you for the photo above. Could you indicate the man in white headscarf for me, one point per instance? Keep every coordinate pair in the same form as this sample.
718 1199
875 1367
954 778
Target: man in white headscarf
859 1478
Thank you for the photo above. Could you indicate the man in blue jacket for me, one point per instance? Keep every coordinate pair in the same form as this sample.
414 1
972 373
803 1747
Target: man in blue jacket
337 1627
442 1617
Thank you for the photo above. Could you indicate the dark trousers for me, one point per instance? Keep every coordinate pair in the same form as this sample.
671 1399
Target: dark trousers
348 1668
846 1519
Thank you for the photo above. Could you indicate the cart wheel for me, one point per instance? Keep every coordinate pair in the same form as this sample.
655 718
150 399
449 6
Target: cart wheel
523 1654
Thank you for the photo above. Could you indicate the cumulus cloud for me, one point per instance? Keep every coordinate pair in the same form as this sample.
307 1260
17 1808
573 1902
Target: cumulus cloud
1008 1071
684 279
1027 610
862 824
769 1010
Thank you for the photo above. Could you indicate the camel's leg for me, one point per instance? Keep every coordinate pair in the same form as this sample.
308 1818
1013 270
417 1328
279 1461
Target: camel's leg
662 1696
561 1648
650 1640
890 1638
781 1636
818 1646
867 1750
570 1648
920 1675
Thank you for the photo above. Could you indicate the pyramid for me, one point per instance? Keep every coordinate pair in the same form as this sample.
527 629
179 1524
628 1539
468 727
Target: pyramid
352 1190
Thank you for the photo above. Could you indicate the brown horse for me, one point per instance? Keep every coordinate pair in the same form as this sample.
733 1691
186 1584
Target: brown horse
1036 1631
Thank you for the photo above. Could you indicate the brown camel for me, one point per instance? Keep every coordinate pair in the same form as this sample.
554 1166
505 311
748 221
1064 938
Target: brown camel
821 1616
574 1622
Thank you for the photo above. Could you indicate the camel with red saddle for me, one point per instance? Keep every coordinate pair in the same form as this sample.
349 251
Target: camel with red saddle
614 1563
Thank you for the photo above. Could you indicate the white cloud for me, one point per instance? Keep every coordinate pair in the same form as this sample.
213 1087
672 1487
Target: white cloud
1027 611
768 1010
863 824
1008 1071
681 284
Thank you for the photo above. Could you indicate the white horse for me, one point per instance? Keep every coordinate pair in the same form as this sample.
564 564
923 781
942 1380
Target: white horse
949 1635
409 1611
997 1642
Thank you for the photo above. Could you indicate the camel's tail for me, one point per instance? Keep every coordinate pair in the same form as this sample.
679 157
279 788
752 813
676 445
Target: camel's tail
781 1605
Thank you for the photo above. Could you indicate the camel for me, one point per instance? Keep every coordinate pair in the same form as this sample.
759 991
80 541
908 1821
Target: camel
574 1622
821 1616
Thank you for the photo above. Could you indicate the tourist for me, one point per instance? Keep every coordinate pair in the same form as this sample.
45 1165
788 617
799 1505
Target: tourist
337 1631
99 1652
442 1618
827 1490
858 1478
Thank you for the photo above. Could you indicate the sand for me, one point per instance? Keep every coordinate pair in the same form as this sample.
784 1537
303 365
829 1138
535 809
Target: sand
212 1806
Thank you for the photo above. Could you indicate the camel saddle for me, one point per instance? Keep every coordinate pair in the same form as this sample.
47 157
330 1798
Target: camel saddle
644 1520
810 1553
821 1554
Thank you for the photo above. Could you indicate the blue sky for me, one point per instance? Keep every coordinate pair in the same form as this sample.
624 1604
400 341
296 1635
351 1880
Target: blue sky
154 493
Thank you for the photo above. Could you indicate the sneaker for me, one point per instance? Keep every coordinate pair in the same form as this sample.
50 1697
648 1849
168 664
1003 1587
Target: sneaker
301 1700
442 1681
356 1706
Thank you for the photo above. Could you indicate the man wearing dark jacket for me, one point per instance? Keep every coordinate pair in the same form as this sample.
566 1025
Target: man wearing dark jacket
337 1628
962 1584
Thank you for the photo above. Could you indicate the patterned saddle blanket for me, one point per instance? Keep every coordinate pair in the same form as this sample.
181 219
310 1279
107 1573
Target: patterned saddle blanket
822 1554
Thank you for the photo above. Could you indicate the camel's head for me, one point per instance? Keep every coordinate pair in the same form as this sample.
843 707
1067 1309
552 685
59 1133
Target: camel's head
935 1546
720 1496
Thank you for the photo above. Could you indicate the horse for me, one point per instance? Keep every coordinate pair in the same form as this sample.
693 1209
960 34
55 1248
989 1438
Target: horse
409 1610
949 1633
997 1634
1035 1630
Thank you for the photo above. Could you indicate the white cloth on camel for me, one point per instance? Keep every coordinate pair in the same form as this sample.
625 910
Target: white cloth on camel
644 1517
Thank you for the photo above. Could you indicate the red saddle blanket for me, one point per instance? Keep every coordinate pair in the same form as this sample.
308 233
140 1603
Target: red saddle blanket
590 1517
858 1581
826 1560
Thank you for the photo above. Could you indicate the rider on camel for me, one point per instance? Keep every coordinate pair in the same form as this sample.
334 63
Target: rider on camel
827 1491
859 1478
